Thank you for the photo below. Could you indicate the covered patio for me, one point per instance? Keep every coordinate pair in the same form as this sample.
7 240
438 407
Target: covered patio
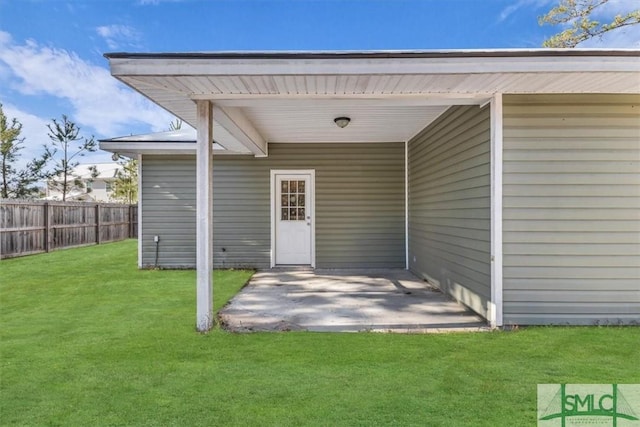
341 300
467 168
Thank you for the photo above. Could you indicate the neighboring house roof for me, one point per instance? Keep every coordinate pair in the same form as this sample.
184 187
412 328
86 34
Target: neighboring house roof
293 97
106 172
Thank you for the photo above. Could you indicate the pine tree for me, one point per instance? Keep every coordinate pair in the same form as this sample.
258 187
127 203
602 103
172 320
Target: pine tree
65 147
175 125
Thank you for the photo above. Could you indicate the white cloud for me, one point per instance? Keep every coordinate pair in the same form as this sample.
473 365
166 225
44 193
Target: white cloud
99 101
521 4
4 38
117 35
156 2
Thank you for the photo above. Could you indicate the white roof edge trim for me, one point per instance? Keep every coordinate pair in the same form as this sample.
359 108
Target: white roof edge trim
187 134
160 148
537 51
395 66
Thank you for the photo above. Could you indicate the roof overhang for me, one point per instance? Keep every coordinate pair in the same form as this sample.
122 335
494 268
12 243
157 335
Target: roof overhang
177 142
293 97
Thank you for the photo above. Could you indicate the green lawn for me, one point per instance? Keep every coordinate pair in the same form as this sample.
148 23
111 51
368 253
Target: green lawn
87 339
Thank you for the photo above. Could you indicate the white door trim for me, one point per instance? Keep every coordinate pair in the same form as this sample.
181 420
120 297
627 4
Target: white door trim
311 206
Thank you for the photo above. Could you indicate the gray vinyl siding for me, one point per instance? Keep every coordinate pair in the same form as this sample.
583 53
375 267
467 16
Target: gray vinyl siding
571 225
168 211
449 205
359 205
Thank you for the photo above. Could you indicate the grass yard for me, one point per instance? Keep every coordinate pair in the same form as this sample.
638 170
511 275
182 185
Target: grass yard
87 339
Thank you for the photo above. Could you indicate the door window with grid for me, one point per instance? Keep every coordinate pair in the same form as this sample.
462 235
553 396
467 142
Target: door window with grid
292 200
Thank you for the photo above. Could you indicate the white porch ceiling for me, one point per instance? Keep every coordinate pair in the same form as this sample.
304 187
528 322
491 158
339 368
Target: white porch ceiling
296 121
290 98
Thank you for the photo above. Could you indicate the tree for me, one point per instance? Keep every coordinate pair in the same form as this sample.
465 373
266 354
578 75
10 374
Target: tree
177 125
17 183
125 187
67 145
577 14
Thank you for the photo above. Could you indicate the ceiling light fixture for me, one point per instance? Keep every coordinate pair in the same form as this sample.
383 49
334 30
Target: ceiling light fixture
342 122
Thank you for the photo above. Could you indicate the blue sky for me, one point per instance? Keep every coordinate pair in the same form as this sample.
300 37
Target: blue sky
51 51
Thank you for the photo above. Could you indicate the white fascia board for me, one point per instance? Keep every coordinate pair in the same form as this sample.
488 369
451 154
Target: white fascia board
149 148
398 66
160 148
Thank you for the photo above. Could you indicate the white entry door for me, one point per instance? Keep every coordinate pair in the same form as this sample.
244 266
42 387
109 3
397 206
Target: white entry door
293 218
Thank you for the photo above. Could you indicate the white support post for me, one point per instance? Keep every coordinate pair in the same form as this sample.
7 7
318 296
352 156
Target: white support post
139 236
495 312
204 216
406 205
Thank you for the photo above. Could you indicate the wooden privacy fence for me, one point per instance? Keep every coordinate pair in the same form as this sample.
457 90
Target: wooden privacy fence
31 227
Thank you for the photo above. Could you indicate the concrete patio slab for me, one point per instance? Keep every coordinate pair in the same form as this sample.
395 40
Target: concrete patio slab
345 301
